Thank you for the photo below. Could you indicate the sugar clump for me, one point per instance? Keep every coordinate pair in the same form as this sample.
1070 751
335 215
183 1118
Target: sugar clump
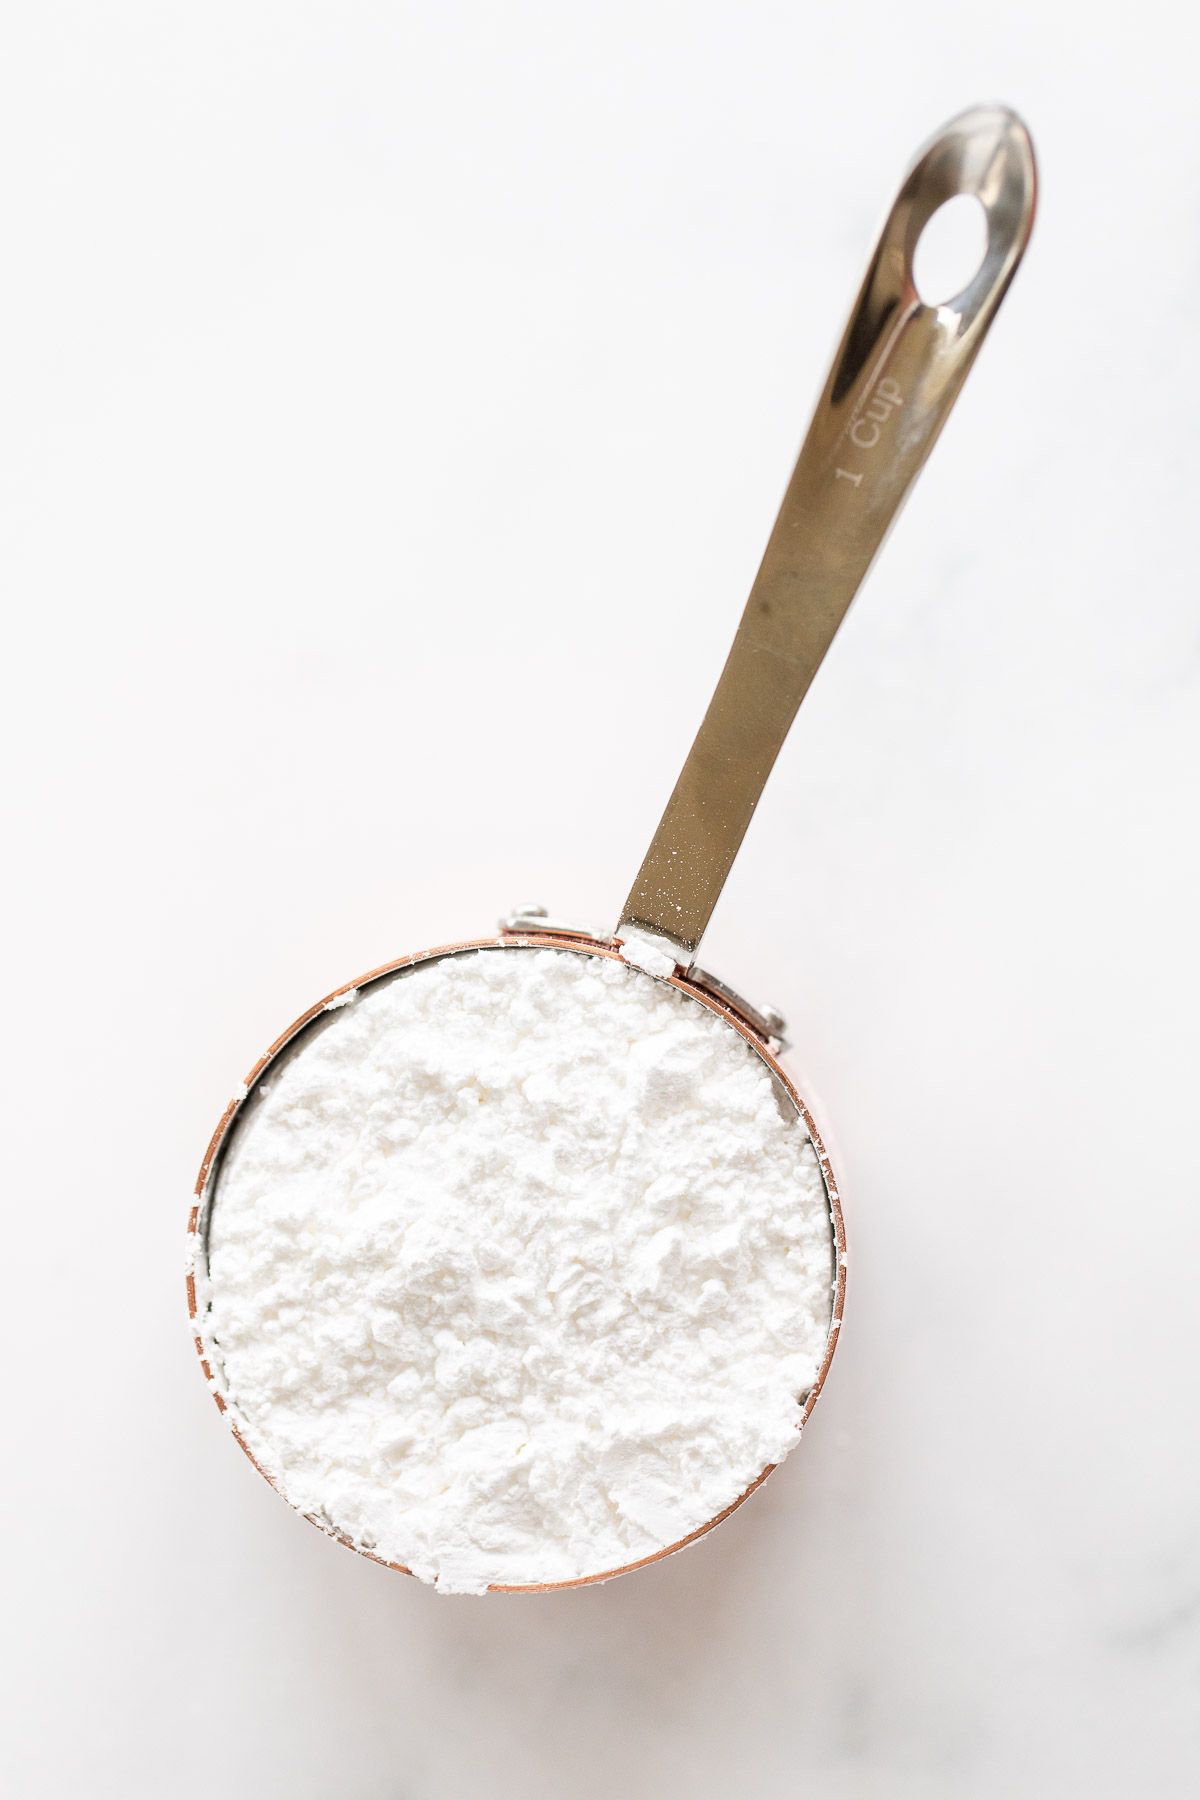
517 1268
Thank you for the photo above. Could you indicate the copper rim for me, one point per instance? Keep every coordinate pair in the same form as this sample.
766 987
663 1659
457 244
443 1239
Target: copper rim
551 941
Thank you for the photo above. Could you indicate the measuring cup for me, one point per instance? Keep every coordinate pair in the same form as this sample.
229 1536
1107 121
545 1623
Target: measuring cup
895 377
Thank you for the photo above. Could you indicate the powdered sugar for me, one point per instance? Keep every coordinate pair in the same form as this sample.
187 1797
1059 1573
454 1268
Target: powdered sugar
647 952
516 1268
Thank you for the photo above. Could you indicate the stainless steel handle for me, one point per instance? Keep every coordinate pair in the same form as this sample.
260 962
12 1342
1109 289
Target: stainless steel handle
896 375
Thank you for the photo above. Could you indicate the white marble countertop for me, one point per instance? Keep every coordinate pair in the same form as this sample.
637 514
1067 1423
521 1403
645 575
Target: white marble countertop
396 402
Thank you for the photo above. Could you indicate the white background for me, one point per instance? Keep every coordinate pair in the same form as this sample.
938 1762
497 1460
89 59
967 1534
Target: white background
394 401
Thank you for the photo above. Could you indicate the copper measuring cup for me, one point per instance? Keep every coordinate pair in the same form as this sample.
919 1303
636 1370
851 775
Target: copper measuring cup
895 377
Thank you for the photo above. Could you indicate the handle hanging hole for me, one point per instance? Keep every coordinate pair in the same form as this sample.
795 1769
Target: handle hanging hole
950 250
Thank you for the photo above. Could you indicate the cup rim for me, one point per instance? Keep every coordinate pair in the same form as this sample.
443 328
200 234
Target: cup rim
203 1194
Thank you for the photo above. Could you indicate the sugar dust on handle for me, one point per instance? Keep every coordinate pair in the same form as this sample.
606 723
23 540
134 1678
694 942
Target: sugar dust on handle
520 1263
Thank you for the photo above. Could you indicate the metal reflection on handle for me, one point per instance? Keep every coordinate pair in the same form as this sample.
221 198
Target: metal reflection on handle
894 379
